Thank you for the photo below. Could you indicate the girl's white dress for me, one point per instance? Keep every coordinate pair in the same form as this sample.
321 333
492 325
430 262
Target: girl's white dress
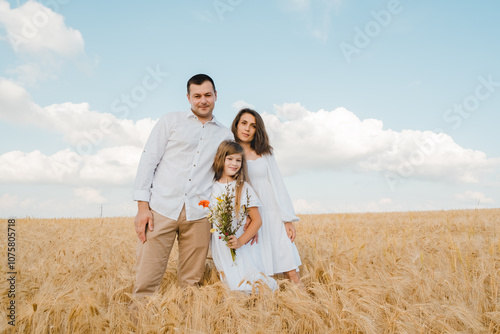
277 252
243 272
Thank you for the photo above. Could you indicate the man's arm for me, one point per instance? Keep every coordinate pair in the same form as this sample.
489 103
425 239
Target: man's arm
151 157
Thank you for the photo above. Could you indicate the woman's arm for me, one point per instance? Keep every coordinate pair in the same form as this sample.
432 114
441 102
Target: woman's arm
290 231
280 194
252 229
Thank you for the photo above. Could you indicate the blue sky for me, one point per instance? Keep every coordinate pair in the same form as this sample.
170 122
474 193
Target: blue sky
370 106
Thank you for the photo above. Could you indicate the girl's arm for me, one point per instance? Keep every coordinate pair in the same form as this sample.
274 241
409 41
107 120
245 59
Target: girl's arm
252 229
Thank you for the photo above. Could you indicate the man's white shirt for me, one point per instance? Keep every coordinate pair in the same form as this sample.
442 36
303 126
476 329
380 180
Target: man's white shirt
176 164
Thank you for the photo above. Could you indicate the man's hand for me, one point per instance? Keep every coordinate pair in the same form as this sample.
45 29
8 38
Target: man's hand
144 218
255 238
290 231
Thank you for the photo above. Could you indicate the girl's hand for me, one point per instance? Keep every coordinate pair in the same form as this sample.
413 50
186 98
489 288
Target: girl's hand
290 231
233 242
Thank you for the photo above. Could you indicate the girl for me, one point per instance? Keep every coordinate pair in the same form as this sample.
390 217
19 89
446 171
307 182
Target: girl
230 174
276 237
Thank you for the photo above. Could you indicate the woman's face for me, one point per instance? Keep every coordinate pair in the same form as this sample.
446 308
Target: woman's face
246 128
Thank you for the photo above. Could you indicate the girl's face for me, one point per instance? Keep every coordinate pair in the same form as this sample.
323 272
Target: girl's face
232 165
246 128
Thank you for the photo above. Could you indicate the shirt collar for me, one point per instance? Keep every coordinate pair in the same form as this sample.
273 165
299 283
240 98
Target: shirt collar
189 114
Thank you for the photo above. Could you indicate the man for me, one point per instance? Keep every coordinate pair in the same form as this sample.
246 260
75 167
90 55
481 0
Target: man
174 174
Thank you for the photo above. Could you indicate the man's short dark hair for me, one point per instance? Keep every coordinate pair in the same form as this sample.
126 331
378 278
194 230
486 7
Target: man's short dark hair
199 79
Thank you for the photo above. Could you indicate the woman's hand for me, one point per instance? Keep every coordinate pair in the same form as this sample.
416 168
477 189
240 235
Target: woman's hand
290 231
234 242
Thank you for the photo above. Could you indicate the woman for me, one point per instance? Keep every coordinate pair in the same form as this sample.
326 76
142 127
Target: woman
276 236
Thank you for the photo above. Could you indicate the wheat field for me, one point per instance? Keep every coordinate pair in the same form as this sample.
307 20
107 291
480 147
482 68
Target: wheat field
412 272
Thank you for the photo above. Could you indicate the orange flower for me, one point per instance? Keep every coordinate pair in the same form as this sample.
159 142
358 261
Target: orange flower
204 203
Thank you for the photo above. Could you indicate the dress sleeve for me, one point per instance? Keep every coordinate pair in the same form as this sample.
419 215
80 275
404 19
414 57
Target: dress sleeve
253 199
281 196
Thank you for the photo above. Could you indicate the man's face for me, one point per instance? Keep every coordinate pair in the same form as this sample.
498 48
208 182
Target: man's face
202 99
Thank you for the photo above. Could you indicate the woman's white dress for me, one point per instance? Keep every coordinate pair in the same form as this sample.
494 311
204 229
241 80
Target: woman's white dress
243 272
278 253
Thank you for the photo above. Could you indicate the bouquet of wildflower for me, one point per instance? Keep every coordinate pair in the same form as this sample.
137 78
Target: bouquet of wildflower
222 215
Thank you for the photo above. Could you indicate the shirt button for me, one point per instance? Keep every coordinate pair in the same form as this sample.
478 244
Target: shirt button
189 179
194 165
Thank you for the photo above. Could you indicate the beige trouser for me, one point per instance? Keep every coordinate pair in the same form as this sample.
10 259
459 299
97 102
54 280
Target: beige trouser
193 238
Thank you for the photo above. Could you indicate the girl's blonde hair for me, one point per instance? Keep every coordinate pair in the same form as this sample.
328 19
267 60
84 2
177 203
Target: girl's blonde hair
229 147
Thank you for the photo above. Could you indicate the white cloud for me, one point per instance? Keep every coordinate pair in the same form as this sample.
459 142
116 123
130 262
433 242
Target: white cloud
336 139
323 139
385 201
9 202
84 128
12 206
54 201
431 156
109 166
32 72
105 149
473 196
81 127
382 205
41 40
303 206
33 28
89 195
52 206
15 103
33 167
112 165
240 104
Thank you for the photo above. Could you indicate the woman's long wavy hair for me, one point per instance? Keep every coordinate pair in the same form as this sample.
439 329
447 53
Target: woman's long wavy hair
229 147
260 143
